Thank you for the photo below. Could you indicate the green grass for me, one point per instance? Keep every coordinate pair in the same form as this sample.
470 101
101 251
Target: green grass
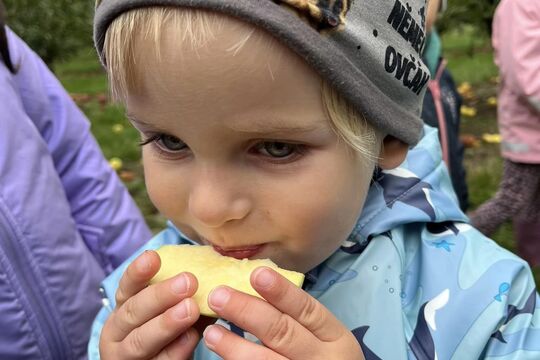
469 55
82 74
469 58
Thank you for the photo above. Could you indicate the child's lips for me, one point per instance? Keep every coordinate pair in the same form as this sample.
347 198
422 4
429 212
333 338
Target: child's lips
240 252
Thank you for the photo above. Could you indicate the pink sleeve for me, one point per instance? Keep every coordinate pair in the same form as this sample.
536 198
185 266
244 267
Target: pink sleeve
525 48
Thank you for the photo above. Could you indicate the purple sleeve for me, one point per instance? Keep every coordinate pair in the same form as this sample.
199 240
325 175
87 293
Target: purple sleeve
105 214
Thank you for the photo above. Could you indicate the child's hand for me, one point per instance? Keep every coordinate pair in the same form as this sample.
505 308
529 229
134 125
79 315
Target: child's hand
291 325
151 321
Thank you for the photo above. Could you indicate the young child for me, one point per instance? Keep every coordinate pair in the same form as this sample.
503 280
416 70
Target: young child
290 130
516 25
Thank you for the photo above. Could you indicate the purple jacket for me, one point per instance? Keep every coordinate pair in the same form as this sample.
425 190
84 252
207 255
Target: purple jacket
65 218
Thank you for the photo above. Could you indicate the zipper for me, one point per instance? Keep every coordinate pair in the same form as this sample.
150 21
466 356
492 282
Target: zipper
39 306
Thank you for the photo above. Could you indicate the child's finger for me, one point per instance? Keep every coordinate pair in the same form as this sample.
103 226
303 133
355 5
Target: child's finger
149 339
291 300
231 346
278 331
149 303
137 275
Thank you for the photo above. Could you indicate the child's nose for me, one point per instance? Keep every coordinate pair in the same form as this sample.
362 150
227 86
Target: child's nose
215 200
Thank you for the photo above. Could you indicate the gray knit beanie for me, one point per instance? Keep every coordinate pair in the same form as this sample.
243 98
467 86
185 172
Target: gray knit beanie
369 50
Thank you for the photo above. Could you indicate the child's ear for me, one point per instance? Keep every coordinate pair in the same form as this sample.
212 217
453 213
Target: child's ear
393 152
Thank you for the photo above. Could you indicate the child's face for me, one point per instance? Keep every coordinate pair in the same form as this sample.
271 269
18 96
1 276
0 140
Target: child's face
245 157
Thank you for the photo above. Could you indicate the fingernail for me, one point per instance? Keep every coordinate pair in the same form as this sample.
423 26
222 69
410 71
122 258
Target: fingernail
264 278
142 263
180 284
219 297
183 310
212 335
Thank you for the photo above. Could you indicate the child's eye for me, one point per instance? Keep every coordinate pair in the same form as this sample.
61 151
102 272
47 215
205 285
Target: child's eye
171 143
166 143
279 150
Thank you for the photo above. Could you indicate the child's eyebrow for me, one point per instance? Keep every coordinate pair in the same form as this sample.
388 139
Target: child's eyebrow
142 123
278 127
255 127
269 130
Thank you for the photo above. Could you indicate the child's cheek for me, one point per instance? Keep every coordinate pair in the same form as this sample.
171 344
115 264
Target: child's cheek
163 187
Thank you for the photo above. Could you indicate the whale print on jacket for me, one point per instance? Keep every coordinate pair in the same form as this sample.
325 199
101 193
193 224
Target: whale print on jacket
504 288
359 334
422 344
513 311
442 227
443 244
402 185
356 247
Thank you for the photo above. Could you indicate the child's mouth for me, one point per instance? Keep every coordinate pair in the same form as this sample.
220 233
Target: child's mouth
240 253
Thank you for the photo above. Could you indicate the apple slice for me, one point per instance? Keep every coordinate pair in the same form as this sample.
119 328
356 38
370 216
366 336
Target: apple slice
212 269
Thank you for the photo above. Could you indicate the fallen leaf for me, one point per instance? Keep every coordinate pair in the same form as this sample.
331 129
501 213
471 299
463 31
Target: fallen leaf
464 87
115 163
127 176
468 111
492 138
102 99
469 140
117 128
80 98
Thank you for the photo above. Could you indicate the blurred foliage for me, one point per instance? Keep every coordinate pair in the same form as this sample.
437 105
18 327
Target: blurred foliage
477 13
55 29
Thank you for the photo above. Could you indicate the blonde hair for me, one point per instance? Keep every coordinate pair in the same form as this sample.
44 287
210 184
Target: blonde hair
196 27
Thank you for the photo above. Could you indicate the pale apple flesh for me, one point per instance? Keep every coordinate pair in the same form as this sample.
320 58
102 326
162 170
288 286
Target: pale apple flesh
212 269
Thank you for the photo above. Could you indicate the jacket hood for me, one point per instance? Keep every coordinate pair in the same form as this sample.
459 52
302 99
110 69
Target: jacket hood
418 191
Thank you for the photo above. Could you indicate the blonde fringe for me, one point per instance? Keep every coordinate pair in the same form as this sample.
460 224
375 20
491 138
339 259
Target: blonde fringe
350 126
196 27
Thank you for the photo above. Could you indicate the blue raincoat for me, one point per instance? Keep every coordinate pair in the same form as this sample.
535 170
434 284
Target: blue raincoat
414 280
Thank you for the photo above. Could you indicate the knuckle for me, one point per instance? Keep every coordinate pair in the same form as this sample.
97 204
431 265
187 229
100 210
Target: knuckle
117 322
311 314
249 310
167 322
135 348
281 332
151 295
128 313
